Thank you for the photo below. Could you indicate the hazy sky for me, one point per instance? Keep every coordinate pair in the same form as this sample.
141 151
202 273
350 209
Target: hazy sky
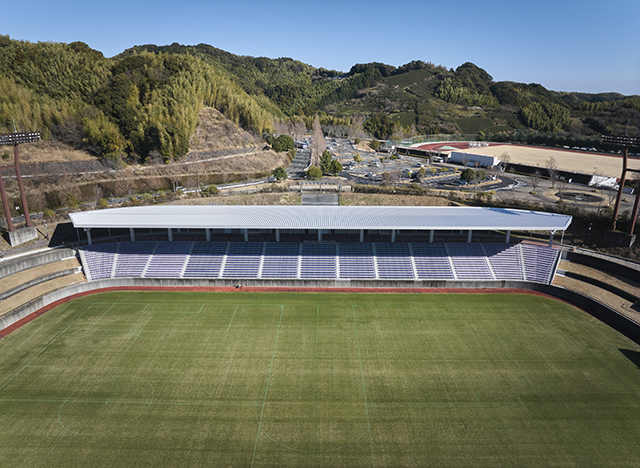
565 45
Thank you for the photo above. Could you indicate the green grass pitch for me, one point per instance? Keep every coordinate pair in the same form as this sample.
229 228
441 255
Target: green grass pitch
307 380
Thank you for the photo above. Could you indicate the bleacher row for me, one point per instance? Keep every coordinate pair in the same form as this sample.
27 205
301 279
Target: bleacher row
289 260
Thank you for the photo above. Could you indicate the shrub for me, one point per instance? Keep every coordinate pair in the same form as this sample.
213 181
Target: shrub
49 213
102 204
314 173
211 190
280 173
283 143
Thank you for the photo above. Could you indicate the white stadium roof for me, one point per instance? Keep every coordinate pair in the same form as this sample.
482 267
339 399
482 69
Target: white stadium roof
321 217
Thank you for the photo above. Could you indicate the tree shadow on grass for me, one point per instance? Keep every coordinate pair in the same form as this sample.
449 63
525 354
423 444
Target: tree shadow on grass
633 356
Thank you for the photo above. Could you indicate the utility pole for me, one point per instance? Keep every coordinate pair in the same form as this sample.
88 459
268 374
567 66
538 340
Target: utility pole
624 142
15 139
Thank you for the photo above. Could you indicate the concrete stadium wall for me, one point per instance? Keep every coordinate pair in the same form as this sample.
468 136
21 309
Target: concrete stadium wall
11 266
617 321
602 285
6 294
609 264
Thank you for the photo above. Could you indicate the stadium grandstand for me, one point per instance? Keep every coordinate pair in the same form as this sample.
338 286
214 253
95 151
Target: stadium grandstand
336 244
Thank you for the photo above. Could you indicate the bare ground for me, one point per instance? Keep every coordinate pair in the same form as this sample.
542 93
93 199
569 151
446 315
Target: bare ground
285 198
46 151
380 199
216 133
578 161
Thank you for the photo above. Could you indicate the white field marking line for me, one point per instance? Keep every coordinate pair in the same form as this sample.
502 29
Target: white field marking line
36 331
405 323
591 331
105 313
364 391
48 344
8 412
30 387
315 390
171 331
232 317
163 403
64 434
264 400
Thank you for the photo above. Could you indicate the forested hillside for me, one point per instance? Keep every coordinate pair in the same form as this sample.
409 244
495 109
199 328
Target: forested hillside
420 98
146 100
128 106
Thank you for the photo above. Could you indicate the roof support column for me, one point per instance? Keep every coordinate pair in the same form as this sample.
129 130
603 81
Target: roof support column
277 235
431 235
132 234
319 235
88 231
361 235
469 236
170 234
551 238
393 235
246 235
207 234
508 237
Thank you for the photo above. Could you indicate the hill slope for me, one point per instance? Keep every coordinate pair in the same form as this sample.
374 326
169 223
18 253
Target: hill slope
137 105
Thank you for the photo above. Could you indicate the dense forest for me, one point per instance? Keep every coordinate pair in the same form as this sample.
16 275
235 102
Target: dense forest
146 101
133 105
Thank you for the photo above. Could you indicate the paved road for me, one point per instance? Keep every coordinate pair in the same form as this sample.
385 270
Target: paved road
299 164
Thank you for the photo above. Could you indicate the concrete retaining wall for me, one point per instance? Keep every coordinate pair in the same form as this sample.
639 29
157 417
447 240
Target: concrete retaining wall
607 287
617 321
609 264
11 266
33 282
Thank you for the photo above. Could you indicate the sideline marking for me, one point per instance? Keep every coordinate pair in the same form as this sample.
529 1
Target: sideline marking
102 316
315 389
36 331
364 391
48 344
171 332
64 434
264 400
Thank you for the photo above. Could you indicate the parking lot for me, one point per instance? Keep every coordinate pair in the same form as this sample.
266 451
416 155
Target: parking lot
377 167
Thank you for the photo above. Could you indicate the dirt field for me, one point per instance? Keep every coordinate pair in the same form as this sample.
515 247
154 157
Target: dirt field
609 165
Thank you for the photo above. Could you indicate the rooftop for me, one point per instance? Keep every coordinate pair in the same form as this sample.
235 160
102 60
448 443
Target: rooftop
321 217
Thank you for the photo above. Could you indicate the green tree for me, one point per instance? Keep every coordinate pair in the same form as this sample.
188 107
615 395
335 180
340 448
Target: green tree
467 175
325 161
280 173
335 167
283 143
314 173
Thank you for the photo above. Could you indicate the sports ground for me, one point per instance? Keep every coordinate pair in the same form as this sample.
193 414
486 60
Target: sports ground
318 379
567 160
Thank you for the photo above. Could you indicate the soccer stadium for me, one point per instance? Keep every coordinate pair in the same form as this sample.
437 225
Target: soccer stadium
315 336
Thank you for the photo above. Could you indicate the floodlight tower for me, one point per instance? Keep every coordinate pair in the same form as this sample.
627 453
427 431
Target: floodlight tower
16 139
624 142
